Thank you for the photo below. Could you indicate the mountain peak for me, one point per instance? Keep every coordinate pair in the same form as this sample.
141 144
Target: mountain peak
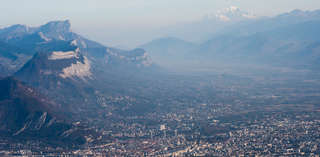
297 11
232 13
18 27
15 31
58 30
57 60
301 14
58 26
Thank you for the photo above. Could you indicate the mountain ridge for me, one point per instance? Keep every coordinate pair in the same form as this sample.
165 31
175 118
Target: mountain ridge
28 40
27 115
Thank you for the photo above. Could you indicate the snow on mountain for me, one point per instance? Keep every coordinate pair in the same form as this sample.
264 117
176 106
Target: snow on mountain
231 14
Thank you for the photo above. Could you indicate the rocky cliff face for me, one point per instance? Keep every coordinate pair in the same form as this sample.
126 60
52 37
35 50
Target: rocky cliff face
26 114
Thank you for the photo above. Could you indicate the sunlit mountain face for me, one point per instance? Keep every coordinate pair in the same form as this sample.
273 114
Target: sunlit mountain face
229 84
70 71
27 41
231 14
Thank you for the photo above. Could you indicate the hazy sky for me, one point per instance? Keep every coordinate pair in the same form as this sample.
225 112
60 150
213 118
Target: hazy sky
108 21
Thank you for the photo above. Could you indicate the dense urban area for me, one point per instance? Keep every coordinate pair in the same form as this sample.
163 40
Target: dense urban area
243 117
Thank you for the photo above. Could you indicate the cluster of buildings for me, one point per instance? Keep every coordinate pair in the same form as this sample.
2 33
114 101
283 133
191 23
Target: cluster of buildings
202 130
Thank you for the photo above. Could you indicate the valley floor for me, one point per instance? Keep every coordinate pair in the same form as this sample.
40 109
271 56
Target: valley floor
226 116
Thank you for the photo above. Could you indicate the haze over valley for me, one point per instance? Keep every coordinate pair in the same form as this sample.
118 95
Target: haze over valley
231 83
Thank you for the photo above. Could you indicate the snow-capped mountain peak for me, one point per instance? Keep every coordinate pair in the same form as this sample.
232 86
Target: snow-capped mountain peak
230 14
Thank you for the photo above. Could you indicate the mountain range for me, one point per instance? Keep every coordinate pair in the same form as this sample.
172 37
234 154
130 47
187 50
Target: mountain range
52 57
213 22
168 50
55 80
287 40
71 73
19 43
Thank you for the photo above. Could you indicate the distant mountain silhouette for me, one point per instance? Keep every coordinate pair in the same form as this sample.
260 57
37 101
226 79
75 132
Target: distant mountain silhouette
168 50
287 40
